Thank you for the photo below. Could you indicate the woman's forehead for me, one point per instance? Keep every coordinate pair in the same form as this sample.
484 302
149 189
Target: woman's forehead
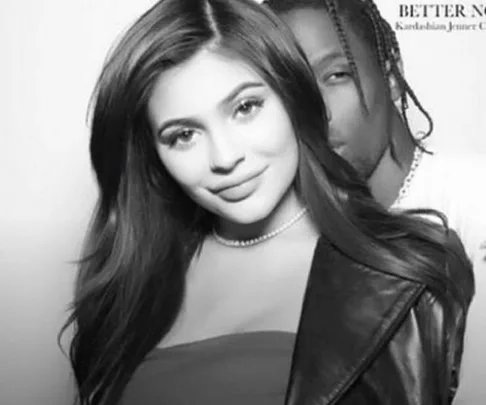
204 80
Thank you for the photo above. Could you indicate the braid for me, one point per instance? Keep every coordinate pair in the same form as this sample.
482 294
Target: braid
343 39
382 50
385 53
390 50
383 40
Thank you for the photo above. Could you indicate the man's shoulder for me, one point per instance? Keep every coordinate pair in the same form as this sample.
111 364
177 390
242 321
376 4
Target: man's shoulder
454 185
451 173
462 163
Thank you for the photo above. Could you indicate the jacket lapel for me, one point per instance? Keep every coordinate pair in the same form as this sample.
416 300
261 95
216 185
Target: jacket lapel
348 314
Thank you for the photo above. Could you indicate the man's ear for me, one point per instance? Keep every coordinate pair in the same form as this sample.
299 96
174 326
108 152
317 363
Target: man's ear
393 82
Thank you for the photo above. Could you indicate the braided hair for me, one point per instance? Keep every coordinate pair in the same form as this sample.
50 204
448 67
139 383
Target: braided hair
367 21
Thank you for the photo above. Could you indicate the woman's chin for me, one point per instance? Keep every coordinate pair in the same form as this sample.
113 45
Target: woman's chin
241 217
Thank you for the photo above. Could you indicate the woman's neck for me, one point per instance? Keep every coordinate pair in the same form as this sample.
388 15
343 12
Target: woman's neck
288 207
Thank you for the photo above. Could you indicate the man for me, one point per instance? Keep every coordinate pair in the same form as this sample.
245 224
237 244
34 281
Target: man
356 59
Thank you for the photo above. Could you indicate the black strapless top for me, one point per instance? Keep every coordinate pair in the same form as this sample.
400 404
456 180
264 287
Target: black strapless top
249 368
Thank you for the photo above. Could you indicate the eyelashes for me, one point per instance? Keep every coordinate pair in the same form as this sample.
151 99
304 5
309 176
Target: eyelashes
184 137
336 76
248 107
339 75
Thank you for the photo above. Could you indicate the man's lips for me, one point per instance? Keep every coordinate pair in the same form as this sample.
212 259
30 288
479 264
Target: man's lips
337 147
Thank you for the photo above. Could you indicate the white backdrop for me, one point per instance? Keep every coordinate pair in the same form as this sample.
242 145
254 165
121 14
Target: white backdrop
52 51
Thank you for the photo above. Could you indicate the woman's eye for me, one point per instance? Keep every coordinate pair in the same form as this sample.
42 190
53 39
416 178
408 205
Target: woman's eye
185 135
248 107
180 137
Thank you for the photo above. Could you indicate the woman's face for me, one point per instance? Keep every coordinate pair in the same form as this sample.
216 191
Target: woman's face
224 136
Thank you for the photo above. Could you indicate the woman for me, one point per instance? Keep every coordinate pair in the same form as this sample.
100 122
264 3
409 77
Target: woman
233 257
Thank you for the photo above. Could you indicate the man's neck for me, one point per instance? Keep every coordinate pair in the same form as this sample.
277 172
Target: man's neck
388 177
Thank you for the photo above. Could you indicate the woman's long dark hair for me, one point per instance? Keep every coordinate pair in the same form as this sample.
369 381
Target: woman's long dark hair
145 229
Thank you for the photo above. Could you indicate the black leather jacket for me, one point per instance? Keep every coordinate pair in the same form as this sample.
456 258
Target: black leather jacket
366 337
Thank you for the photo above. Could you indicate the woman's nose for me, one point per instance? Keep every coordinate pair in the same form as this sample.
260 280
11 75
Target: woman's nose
226 153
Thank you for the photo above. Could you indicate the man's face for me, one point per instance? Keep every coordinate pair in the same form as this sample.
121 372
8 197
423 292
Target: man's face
358 137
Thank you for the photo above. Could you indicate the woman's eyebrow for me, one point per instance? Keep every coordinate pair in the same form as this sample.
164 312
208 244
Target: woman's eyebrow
238 89
193 122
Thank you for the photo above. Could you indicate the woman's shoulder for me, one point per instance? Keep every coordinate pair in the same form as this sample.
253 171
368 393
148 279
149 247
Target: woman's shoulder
458 267
357 287
351 313
374 317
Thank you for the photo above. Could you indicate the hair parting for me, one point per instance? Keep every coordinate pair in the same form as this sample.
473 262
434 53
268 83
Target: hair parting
145 229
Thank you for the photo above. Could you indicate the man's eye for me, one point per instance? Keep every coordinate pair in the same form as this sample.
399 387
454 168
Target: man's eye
337 76
248 107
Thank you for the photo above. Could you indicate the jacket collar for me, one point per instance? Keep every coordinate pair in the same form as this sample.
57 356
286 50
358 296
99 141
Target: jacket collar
348 314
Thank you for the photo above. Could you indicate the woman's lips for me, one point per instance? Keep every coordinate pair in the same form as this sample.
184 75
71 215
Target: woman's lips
241 189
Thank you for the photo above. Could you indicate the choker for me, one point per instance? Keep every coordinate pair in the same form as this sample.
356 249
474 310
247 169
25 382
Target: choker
262 238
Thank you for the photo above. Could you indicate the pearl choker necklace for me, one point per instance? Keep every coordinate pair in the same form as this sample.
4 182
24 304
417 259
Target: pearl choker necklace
417 157
262 238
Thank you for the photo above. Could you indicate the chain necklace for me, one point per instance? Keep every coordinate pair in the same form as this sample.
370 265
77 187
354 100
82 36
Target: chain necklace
417 157
262 238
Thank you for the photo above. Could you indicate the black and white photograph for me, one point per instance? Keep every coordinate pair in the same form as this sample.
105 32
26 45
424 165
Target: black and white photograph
242 202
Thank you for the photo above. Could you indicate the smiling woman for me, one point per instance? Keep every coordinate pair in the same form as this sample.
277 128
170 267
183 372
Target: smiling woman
231 145
234 258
